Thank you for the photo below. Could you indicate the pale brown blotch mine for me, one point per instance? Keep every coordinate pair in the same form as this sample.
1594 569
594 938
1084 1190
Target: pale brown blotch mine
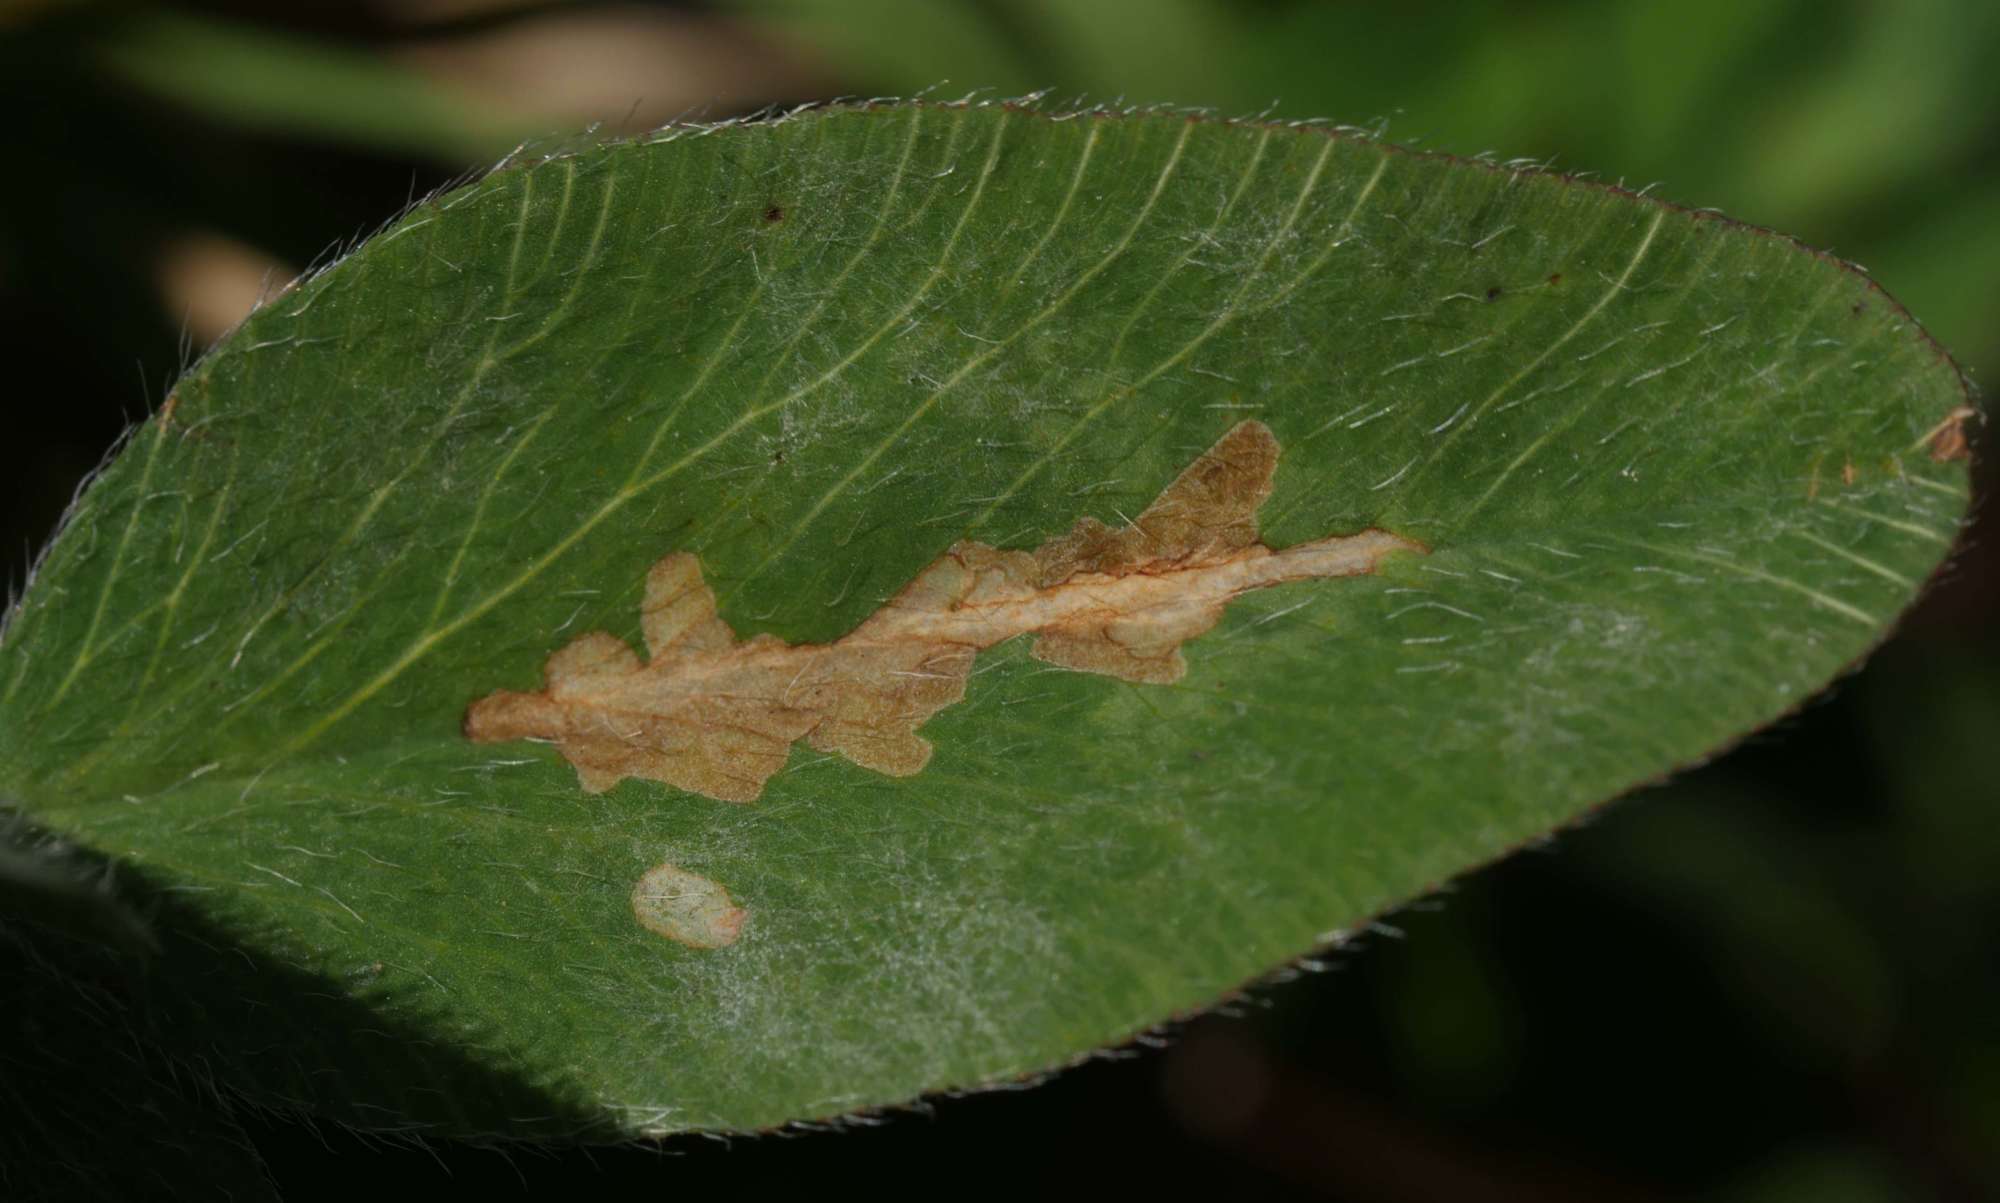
717 716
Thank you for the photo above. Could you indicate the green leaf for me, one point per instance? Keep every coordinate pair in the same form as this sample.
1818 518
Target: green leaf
1673 474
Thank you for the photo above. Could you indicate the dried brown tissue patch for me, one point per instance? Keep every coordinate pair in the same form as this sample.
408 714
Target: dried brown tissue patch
687 907
716 715
1948 439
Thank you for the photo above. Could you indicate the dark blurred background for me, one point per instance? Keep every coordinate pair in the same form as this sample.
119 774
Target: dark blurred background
1775 979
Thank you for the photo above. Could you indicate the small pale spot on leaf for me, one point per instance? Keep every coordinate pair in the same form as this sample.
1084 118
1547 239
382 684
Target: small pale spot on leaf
687 907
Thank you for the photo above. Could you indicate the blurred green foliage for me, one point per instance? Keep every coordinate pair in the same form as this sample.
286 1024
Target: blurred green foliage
1770 981
294 85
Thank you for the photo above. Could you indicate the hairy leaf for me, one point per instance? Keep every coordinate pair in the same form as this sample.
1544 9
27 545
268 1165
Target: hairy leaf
1644 479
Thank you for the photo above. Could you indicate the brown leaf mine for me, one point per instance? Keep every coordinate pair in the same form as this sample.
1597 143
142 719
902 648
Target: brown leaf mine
711 714
686 907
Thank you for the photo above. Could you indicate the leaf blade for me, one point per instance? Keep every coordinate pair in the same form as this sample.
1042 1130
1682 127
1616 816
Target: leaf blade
1673 472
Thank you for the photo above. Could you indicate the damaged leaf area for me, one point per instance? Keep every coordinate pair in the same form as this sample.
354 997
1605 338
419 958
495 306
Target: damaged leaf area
716 716
915 470
687 908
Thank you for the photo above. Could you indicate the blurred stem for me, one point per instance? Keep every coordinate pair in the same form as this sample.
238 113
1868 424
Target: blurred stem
260 79
43 889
